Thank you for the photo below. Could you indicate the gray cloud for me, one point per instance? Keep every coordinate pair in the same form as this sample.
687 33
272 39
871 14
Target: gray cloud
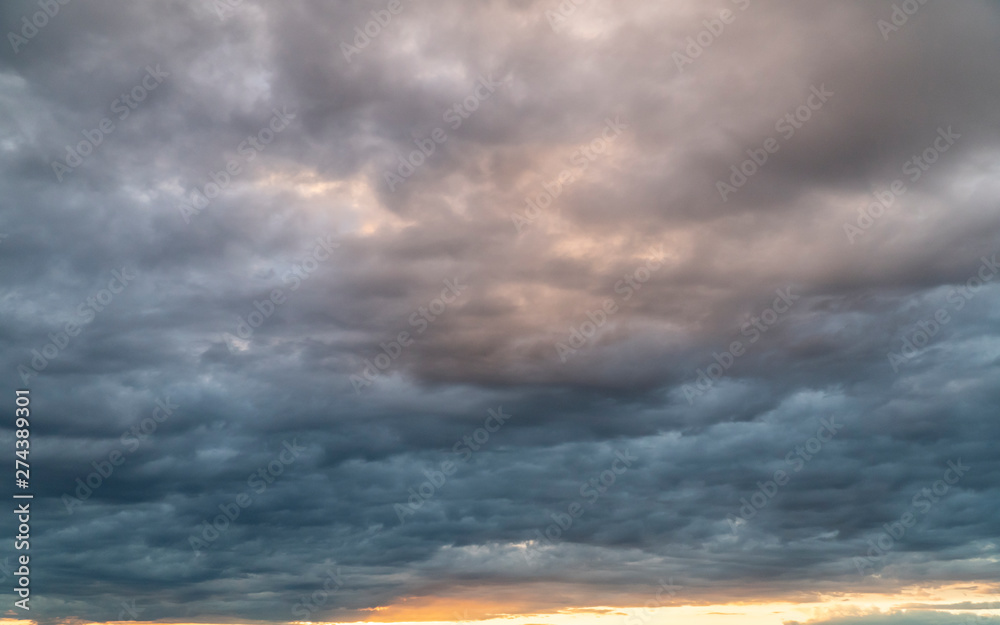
652 188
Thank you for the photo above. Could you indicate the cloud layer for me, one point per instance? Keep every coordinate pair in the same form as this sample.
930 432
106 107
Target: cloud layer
685 234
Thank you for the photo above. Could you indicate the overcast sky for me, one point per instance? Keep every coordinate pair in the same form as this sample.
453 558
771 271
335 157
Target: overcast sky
483 308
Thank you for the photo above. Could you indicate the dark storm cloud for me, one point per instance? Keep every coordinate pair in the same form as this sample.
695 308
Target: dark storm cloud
651 192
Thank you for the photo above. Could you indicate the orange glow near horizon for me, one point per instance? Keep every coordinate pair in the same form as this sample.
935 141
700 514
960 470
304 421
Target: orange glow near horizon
445 610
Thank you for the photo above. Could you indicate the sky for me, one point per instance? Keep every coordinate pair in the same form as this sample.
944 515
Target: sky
503 311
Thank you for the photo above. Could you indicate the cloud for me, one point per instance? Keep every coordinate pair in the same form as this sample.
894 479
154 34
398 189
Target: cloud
650 192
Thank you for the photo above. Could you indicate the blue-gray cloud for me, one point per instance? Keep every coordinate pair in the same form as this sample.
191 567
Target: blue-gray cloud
220 256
